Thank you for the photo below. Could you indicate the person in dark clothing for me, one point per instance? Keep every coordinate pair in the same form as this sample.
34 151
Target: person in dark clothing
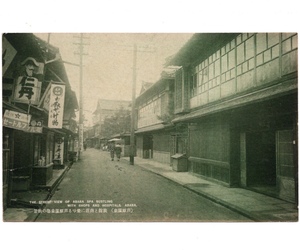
112 151
118 150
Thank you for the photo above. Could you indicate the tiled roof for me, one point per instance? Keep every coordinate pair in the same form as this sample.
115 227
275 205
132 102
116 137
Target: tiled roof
112 104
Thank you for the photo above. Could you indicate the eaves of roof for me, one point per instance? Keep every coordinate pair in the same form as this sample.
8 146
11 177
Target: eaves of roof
150 128
199 47
283 88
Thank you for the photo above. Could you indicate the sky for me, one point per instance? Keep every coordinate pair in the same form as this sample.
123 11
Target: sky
108 63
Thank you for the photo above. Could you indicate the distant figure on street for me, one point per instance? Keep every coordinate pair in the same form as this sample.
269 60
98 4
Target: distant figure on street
84 145
118 150
111 149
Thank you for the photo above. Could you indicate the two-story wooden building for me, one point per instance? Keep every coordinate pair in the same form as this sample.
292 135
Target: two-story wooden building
155 110
38 108
236 94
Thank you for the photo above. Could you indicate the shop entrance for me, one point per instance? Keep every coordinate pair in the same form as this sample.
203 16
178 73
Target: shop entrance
261 158
147 146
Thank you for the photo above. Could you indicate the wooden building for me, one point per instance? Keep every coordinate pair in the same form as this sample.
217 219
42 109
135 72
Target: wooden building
155 111
32 148
236 94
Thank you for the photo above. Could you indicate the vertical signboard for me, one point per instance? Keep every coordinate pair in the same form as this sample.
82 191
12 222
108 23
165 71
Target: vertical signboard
56 106
59 150
27 89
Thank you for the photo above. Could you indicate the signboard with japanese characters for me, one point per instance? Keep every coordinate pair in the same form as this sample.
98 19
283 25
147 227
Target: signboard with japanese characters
27 90
16 120
21 121
35 125
56 106
59 150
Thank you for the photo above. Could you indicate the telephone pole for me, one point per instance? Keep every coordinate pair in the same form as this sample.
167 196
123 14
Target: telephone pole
81 54
133 111
132 139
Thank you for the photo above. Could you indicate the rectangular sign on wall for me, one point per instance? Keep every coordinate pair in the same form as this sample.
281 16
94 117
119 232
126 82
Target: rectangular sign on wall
16 120
56 106
27 90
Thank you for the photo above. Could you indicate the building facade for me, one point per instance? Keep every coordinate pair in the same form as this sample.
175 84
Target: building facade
236 94
154 114
105 109
38 108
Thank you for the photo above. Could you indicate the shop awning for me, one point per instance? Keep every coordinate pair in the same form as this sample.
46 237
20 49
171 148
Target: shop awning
150 128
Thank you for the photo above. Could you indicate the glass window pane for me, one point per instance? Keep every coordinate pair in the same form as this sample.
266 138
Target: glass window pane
227 47
239 39
267 55
245 67
217 67
286 46
223 78
273 38
261 42
286 35
205 75
259 59
233 43
249 48
227 75
239 69
232 73
218 80
275 51
231 59
294 42
240 53
244 36
224 63
251 63
223 51
211 71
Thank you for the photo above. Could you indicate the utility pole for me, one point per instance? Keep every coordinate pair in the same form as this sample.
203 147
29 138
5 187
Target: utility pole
132 138
81 54
80 96
133 111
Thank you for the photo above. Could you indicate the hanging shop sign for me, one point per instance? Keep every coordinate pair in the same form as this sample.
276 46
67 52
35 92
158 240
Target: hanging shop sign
56 106
16 120
59 150
28 86
21 121
35 125
45 100
27 90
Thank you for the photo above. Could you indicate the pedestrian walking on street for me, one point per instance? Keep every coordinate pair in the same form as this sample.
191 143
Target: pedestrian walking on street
118 150
112 151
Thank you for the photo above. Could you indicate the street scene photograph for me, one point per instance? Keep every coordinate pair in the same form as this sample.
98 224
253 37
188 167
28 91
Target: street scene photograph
150 127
